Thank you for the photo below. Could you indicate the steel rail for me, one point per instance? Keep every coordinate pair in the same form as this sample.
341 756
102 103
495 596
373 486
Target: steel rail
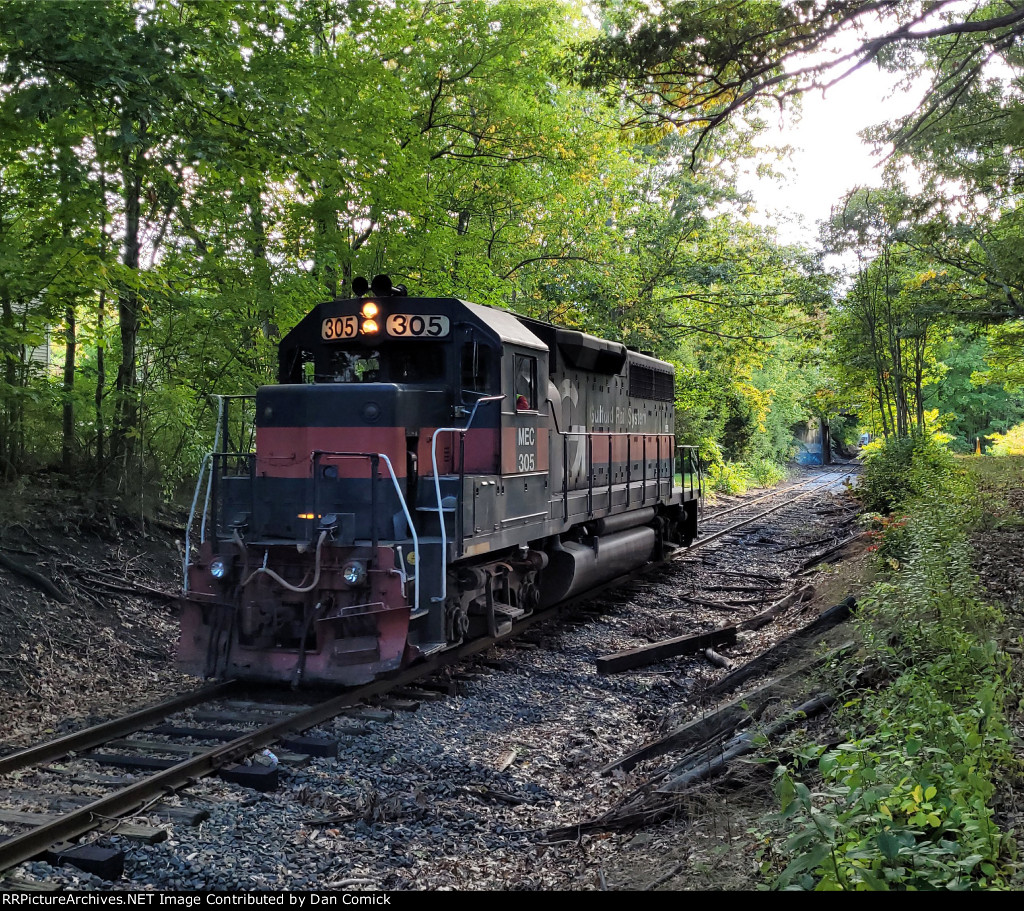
109 730
717 514
20 848
718 534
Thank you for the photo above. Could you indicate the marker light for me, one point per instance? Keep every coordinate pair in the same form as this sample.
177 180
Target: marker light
370 327
218 568
370 310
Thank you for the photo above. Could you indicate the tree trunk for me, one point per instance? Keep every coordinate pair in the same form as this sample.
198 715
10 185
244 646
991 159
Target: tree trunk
67 449
9 401
328 234
261 266
101 343
919 349
19 372
126 407
101 382
882 411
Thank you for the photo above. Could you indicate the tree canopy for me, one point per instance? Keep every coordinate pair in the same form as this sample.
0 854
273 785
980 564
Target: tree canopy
180 181
698 63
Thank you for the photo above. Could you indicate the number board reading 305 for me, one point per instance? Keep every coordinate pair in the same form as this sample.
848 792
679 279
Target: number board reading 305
339 327
397 325
414 324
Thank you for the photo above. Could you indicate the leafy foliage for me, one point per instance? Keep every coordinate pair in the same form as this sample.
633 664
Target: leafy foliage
181 181
170 201
698 64
905 801
1009 443
900 469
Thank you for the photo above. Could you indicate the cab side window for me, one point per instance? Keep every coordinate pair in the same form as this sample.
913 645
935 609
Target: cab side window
476 367
525 382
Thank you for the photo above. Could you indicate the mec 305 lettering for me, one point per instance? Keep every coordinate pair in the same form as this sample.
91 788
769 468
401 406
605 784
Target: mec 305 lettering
526 460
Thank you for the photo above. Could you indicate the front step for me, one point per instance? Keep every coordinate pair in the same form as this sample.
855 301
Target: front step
431 512
507 611
504 614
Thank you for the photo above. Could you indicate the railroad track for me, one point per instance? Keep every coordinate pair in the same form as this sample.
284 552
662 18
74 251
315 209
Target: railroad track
53 836
819 481
814 485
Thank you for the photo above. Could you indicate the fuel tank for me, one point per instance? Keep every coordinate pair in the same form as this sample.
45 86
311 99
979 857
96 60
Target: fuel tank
574 567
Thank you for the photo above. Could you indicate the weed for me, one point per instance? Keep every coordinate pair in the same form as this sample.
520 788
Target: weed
904 801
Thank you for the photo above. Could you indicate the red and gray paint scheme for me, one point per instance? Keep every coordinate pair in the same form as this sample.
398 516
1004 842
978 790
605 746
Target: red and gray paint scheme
426 470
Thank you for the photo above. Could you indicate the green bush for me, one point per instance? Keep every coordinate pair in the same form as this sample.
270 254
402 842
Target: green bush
727 477
1009 443
905 801
764 472
900 469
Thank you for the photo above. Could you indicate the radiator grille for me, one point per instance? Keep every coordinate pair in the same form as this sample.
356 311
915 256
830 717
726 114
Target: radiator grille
647 383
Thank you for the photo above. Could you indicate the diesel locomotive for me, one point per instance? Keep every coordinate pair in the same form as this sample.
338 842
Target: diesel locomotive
426 470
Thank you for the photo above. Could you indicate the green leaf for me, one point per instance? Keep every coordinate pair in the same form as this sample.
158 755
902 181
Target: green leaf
871 881
785 791
888 845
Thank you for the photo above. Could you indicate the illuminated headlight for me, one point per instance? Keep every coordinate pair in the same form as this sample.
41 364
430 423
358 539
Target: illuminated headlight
354 573
218 568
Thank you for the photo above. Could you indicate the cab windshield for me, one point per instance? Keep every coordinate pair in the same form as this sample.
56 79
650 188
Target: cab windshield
414 363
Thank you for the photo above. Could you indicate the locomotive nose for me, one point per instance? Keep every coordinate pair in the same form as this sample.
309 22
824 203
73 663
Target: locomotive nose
343 405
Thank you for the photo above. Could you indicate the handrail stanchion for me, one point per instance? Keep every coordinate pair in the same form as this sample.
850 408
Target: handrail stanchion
462 486
590 475
565 476
629 468
437 488
610 456
209 483
657 464
375 458
374 474
191 517
643 475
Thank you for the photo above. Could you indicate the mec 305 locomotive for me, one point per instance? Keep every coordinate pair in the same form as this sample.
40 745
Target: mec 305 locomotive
426 470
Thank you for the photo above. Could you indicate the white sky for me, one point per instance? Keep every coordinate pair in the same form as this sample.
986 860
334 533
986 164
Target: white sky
828 157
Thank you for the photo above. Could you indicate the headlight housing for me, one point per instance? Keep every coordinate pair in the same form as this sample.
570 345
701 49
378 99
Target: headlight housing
354 573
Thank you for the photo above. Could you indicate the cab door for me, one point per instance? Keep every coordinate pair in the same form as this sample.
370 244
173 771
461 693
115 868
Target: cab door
524 438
